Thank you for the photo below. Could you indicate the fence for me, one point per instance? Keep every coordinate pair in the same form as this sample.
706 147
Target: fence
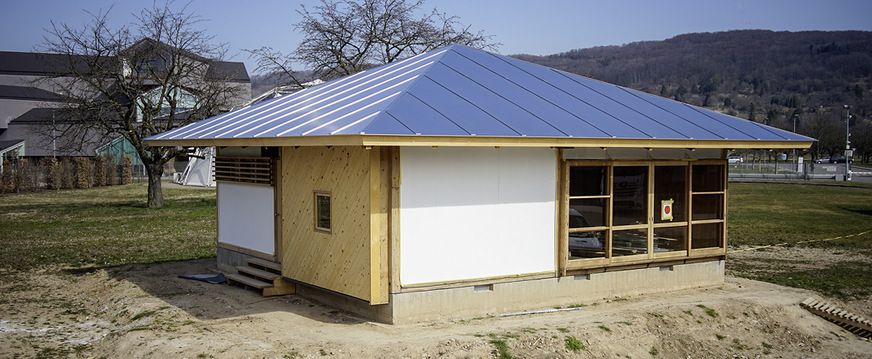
28 174
787 170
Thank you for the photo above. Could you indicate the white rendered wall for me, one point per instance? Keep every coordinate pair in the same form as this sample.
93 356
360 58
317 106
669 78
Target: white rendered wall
469 213
246 216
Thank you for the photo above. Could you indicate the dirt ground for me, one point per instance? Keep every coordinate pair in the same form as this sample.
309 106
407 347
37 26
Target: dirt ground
146 311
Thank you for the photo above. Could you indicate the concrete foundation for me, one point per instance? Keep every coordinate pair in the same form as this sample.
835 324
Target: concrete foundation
525 295
228 260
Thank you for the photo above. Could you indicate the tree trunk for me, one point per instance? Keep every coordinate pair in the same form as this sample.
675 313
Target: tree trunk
155 195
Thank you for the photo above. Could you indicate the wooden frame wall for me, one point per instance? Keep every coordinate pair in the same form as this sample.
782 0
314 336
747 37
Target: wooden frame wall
568 266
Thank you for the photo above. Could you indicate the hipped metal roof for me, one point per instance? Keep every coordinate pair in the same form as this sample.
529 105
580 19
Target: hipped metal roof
461 96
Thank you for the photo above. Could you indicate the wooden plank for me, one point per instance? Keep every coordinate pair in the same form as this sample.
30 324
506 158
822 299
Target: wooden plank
264 263
338 261
394 219
376 215
248 281
562 252
258 274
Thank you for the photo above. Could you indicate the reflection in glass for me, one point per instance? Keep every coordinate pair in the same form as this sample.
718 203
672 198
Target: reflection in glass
589 212
708 206
670 183
707 235
587 180
630 193
708 178
670 239
629 242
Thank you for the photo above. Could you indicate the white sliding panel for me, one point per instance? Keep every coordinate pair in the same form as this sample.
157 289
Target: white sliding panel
469 213
246 216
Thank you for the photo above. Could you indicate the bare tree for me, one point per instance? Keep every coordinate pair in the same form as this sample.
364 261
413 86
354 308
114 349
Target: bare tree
140 79
345 37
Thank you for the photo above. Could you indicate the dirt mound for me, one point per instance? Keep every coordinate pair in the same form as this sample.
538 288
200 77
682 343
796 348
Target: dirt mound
145 311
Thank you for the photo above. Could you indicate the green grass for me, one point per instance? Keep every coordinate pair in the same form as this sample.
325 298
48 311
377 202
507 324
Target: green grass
767 213
105 226
501 349
572 344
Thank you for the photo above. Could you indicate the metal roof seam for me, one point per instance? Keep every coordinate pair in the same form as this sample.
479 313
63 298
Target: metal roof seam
628 107
434 109
561 90
346 115
417 78
501 96
343 128
274 128
246 115
633 93
471 103
597 108
722 122
400 122
326 89
280 134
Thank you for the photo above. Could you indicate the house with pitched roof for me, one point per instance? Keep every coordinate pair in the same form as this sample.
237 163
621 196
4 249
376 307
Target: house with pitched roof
460 183
29 106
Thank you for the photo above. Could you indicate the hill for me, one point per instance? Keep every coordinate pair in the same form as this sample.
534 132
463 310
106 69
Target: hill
762 75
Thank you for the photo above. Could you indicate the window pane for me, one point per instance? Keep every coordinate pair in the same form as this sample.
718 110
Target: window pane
629 242
708 178
707 235
670 239
322 212
587 212
670 183
630 192
708 206
587 245
587 180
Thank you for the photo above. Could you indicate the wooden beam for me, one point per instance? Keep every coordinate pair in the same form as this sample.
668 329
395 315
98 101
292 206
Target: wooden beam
376 215
394 219
477 141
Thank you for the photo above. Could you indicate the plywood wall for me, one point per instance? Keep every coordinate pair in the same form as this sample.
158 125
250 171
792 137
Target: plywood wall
348 260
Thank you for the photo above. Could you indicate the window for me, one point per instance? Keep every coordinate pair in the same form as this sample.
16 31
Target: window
629 212
322 212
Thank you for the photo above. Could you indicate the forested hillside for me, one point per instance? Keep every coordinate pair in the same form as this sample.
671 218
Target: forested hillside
769 77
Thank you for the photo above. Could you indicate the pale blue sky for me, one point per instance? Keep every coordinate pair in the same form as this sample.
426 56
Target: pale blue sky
538 27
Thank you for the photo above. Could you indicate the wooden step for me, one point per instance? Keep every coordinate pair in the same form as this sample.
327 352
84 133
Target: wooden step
248 281
258 274
263 264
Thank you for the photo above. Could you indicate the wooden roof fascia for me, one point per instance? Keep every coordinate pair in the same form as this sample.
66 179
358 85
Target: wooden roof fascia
479 141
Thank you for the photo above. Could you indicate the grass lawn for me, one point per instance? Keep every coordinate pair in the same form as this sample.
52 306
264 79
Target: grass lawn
105 226
770 214
111 226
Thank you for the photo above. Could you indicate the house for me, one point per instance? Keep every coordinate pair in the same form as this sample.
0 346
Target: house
29 106
459 183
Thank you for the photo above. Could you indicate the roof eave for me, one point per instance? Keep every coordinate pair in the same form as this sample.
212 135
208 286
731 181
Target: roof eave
480 141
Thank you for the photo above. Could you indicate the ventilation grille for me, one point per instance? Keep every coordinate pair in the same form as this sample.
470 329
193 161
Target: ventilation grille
244 169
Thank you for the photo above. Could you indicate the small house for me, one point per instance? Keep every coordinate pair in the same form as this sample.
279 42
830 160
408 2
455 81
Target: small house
459 183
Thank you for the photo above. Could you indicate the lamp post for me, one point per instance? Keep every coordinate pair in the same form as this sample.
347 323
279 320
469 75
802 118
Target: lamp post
848 143
794 131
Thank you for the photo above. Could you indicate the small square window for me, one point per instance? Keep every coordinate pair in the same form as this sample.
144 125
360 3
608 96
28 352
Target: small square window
322 211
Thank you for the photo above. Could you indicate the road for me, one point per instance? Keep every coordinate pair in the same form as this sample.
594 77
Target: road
861 174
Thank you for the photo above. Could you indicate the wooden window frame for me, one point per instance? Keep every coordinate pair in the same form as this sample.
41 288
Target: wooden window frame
646 258
317 207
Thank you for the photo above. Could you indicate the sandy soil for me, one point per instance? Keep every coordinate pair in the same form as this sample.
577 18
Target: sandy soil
145 311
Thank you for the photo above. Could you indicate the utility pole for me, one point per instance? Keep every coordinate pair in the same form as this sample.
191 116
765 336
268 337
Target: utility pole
848 151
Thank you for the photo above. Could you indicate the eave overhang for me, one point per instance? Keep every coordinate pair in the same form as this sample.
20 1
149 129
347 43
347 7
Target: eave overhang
480 141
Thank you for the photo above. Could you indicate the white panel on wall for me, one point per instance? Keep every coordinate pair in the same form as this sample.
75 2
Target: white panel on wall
246 216
469 213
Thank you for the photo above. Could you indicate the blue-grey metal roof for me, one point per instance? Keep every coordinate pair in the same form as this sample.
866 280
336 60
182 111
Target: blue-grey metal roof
457 91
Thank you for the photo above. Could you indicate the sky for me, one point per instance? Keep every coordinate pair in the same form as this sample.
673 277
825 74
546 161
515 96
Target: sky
538 27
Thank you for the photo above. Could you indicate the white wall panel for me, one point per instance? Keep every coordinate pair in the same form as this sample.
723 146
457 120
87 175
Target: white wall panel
246 216
468 213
